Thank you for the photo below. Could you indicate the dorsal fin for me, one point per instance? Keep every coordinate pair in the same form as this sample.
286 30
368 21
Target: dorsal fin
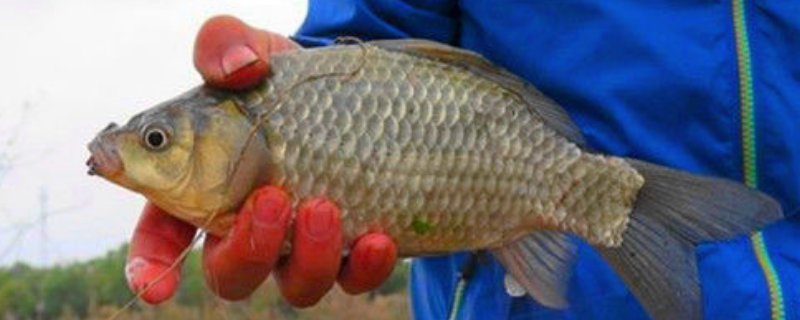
551 113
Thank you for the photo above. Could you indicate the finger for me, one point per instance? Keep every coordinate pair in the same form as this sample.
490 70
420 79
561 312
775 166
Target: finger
229 54
158 242
238 263
370 263
311 269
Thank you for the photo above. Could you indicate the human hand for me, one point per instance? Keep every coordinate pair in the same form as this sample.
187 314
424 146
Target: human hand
231 55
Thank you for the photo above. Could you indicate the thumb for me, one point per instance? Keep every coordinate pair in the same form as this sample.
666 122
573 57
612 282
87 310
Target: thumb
230 54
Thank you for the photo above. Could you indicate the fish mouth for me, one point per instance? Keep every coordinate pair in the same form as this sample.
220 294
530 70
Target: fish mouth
104 160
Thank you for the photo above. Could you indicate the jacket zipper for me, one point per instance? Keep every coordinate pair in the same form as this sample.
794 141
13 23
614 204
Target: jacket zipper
749 153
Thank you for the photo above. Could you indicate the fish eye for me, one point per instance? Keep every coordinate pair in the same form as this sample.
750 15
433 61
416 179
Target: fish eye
155 138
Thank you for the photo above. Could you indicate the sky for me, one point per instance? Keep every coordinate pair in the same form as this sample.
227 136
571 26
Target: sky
68 69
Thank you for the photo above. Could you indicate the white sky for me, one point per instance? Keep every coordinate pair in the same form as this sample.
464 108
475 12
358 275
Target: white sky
80 64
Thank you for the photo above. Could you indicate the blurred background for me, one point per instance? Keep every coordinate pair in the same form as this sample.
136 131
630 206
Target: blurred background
69 68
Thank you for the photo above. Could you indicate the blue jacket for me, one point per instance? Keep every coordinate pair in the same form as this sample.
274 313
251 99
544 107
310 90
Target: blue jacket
656 80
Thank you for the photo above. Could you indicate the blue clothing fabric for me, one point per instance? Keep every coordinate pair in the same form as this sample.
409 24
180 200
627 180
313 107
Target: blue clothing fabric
655 80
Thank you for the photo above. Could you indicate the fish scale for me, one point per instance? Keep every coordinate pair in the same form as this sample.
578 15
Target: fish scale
431 154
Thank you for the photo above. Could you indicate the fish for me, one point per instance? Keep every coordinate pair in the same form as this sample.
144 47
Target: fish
443 151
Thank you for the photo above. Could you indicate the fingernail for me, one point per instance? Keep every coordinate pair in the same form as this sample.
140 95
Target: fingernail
236 58
133 270
320 220
270 208
150 280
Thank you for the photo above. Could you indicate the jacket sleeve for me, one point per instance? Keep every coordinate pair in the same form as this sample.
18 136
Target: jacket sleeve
379 19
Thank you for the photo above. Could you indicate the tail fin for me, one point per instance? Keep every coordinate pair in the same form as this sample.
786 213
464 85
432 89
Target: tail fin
674 212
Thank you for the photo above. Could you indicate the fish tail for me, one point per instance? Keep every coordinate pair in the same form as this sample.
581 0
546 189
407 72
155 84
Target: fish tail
674 212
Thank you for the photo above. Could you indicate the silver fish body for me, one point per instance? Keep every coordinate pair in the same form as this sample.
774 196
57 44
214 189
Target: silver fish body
434 155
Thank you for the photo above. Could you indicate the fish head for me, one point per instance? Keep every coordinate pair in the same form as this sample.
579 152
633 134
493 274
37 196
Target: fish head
194 156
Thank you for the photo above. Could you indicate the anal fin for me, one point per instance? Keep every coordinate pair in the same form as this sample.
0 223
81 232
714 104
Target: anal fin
541 263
